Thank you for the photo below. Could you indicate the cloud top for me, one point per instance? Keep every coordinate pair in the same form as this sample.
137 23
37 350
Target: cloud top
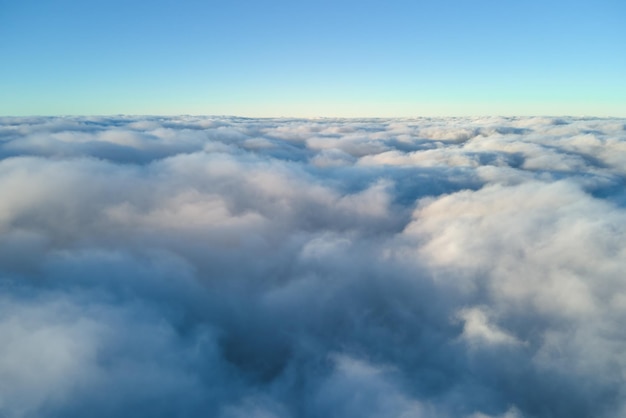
231 267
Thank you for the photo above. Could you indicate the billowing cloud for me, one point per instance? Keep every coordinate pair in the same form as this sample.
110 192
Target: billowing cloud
233 267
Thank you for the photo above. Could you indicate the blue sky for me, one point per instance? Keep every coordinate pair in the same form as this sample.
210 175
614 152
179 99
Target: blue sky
322 58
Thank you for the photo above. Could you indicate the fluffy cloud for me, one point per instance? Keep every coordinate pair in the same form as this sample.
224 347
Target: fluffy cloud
198 266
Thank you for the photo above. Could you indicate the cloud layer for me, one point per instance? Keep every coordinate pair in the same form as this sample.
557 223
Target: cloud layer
231 267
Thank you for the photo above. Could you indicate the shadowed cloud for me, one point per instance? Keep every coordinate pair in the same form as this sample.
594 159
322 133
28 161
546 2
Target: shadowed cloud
232 267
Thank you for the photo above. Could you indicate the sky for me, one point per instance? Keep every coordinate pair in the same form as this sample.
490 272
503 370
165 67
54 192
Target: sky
323 58
196 266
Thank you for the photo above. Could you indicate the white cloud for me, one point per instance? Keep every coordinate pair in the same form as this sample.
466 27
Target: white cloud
478 329
425 267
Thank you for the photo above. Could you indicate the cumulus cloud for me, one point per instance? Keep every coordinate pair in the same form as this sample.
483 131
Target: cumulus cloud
214 266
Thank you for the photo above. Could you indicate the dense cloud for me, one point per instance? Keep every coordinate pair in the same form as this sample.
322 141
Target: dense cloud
231 267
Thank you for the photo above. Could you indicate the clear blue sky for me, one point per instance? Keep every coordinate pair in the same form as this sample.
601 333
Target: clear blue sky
313 58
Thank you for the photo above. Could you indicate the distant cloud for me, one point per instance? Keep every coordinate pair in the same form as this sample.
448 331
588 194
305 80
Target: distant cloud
233 267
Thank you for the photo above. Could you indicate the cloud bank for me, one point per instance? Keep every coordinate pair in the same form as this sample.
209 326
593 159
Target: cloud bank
232 267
